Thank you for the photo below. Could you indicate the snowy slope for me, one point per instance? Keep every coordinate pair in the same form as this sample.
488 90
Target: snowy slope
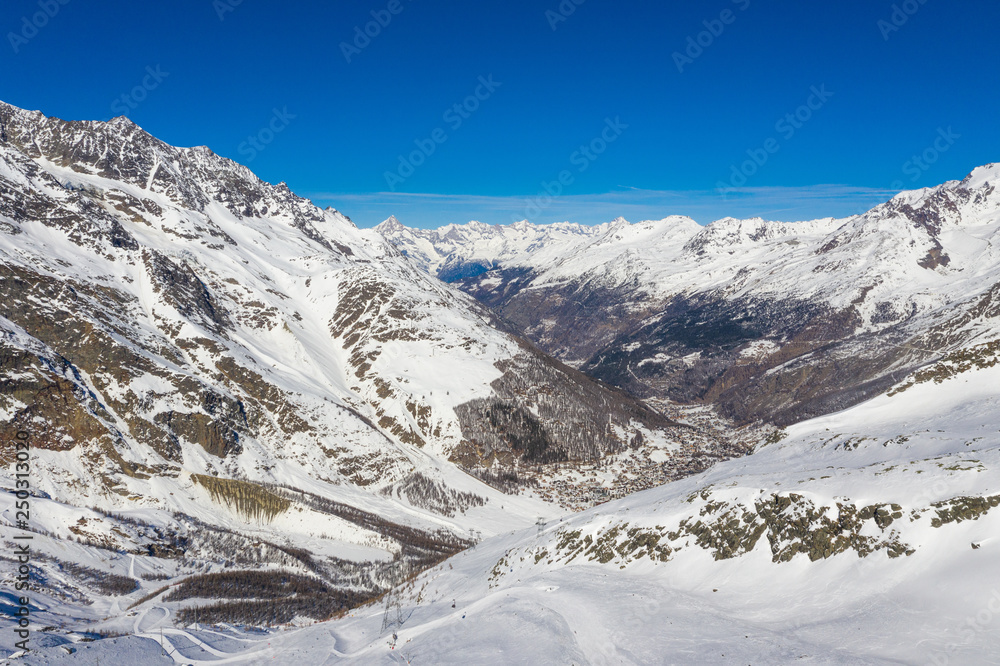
866 536
930 454
460 251
274 291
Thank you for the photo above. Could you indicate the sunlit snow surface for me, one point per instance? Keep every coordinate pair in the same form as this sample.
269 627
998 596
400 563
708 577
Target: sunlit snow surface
940 605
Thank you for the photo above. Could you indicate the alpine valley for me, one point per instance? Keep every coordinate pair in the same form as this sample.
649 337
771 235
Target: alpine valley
259 434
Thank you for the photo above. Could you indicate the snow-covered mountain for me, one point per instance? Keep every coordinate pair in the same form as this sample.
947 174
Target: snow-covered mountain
864 537
766 320
462 251
212 372
255 430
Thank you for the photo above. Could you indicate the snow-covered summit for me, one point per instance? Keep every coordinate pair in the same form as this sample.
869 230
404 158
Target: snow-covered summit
389 226
986 175
461 250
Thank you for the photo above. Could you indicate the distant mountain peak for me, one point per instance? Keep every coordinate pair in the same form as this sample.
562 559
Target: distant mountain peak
121 121
656 294
988 174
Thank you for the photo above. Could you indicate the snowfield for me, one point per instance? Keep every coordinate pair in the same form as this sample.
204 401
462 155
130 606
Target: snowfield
521 598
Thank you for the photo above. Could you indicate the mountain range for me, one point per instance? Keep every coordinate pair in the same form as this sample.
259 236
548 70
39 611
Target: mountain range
555 444
764 320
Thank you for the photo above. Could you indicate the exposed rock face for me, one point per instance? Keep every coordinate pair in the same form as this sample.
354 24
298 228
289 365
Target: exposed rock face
546 412
791 524
45 395
767 321
192 179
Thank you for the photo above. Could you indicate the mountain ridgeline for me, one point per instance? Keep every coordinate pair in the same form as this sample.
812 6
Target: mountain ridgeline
239 409
766 321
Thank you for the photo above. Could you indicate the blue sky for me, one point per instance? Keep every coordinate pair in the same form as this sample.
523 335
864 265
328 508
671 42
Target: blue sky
784 109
